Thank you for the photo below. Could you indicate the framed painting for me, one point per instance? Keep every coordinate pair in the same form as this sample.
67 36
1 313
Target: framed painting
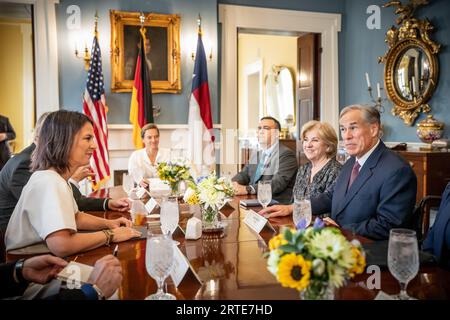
162 52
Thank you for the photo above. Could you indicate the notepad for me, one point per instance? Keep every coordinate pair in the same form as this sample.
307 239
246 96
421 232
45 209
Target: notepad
75 272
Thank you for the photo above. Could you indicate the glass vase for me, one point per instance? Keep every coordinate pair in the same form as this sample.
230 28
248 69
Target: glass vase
174 189
210 219
318 290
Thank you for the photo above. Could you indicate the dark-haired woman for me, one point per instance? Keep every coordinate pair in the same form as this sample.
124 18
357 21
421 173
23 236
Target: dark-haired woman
47 212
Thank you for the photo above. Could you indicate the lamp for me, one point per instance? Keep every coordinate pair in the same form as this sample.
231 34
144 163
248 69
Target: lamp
200 32
87 56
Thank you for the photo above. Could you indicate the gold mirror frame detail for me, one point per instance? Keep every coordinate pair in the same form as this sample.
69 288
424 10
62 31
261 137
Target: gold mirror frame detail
119 19
412 33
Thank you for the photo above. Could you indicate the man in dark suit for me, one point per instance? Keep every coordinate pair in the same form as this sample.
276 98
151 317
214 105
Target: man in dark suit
376 189
438 239
6 133
16 276
274 162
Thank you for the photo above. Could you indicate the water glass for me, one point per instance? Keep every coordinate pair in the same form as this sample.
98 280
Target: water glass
264 193
169 215
403 258
159 257
342 155
127 183
302 211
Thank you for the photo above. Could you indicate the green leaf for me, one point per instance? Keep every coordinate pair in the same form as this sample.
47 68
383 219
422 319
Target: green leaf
287 248
287 235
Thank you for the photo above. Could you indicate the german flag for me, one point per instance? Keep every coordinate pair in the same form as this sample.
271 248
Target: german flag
141 108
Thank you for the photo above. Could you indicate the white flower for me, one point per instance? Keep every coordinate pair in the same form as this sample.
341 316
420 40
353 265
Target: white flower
318 266
272 262
328 244
336 275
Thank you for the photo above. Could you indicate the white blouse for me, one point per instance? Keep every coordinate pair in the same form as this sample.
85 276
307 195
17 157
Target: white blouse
46 205
139 161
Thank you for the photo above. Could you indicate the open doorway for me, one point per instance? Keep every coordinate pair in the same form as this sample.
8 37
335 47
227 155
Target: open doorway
278 76
234 18
17 77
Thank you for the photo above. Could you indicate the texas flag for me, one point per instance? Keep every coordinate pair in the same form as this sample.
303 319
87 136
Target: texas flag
201 136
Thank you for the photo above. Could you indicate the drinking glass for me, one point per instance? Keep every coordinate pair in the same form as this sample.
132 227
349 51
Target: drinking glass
341 155
302 210
169 216
264 193
138 212
159 262
137 175
127 183
403 258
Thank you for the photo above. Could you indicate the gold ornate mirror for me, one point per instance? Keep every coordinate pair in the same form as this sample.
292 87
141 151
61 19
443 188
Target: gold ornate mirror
411 66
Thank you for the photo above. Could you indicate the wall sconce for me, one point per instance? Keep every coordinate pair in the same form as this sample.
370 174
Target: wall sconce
87 56
210 56
378 102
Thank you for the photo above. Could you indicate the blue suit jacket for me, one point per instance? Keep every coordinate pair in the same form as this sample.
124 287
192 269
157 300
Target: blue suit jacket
438 235
382 196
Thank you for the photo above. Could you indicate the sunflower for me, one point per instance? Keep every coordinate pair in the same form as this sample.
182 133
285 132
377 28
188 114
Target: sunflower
360 262
294 271
277 241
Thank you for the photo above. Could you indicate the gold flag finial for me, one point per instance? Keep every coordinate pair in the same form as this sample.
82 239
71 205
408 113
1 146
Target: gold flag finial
199 23
96 24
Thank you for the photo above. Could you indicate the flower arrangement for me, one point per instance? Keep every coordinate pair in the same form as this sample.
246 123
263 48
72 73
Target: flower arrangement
174 173
314 260
210 193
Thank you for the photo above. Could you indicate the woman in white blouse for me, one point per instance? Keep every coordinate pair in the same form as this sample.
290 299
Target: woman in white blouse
143 163
46 212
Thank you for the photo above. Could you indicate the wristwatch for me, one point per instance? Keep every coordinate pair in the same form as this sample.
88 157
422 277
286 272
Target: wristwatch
18 269
100 294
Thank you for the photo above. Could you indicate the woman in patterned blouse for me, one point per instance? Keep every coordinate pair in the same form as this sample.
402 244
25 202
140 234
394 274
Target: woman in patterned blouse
320 173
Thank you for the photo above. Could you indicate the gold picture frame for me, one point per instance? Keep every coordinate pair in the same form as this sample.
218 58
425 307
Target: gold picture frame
163 33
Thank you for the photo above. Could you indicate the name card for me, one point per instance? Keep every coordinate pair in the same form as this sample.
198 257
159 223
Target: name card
255 221
140 192
150 205
180 267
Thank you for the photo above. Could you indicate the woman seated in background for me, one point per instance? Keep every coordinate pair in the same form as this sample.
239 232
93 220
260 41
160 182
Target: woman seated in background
320 173
46 210
437 241
143 163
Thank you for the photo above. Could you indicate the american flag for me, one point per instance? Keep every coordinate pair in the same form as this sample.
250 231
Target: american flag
94 106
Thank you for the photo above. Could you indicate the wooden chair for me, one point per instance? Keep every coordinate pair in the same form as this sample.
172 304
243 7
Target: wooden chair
421 215
2 246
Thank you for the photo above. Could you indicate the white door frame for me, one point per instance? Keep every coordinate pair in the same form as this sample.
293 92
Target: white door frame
233 17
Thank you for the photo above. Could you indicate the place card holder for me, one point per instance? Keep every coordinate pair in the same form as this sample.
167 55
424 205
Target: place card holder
256 222
182 271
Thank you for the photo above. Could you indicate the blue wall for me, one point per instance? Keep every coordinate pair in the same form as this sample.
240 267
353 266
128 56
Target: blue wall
359 49
362 47
174 107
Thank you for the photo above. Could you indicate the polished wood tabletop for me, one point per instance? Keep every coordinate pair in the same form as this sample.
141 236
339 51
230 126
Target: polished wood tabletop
232 265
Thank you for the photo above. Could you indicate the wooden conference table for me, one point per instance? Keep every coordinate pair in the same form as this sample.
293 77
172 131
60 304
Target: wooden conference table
233 266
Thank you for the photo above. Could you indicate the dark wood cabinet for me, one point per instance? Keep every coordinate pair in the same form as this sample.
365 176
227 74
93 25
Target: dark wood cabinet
432 169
